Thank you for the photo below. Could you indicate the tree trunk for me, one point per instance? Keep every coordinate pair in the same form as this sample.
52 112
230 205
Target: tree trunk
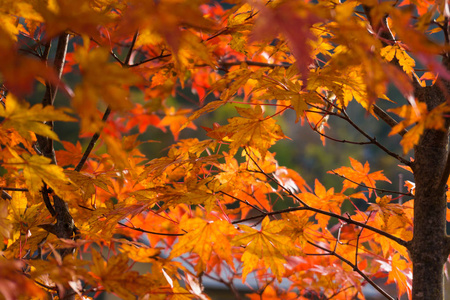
429 248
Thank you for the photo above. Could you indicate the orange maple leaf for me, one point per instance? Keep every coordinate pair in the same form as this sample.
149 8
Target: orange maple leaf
176 121
323 199
203 238
359 174
421 118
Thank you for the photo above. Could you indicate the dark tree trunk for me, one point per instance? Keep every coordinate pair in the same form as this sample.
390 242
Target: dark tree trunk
429 248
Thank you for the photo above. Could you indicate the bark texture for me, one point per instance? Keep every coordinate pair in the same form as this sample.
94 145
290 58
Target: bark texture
429 248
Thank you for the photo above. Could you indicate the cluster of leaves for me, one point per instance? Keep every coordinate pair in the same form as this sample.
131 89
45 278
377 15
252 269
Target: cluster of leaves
207 207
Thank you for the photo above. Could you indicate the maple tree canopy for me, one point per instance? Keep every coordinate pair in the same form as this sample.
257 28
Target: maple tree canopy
81 207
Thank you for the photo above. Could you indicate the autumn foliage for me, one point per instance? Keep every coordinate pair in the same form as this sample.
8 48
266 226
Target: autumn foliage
76 214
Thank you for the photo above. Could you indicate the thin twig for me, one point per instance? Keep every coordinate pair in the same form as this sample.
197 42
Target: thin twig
6 196
273 179
13 189
242 201
339 140
149 60
91 145
150 232
130 51
96 136
373 188
252 63
355 268
374 140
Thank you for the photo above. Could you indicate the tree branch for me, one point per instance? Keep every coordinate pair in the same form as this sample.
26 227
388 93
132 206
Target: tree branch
6 196
91 145
387 118
96 136
355 268
374 140
65 227
150 59
316 210
330 214
45 143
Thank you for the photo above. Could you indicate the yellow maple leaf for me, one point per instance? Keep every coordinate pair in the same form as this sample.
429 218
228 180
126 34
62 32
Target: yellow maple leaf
299 228
141 254
39 169
115 275
266 247
250 130
386 210
203 238
406 61
388 52
25 119
5 224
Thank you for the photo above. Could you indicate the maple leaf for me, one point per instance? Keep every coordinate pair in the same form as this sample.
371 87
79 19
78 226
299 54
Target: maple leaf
82 18
250 130
71 155
24 119
39 169
405 61
323 199
176 120
298 227
295 26
141 253
386 210
359 174
271 294
400 273
116 277
101 80
141 118
5 224
86 184
203 238
422 118
265 247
